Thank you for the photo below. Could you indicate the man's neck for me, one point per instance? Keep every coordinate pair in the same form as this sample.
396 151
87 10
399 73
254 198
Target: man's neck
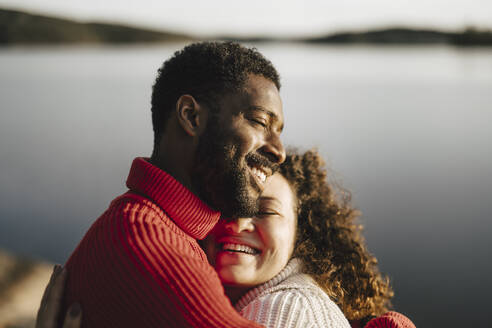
177 171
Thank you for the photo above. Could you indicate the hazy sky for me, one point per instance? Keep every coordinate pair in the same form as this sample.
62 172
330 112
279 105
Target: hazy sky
271 17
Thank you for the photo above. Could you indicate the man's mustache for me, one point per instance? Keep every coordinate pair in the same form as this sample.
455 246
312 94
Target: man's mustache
262 161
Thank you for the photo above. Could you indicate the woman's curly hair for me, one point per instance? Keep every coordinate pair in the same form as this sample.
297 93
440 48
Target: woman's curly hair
329 240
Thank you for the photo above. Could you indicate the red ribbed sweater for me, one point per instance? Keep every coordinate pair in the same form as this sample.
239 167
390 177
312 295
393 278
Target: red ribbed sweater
139 265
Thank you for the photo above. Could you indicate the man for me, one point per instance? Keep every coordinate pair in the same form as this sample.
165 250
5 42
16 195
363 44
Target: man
217 118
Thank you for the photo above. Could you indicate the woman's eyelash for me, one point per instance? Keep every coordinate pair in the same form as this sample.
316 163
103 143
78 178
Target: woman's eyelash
267 213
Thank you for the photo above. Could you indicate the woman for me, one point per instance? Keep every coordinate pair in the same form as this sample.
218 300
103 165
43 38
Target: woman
302 247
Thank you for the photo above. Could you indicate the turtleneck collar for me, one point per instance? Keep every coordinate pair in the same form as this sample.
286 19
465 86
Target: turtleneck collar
188 211
294 266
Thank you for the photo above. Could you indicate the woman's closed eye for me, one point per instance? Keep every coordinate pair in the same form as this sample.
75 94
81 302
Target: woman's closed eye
268 212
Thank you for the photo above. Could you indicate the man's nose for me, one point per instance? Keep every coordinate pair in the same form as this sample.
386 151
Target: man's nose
240 225
274 148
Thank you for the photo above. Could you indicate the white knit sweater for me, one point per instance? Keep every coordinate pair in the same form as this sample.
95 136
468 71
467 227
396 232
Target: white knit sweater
291 299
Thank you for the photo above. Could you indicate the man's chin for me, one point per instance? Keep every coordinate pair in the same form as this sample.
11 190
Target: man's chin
240 208
240 212
233 194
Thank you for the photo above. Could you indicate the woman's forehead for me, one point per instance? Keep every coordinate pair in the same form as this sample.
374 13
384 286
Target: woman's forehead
277 189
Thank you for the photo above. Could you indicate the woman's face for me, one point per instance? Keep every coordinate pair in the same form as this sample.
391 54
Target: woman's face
250 251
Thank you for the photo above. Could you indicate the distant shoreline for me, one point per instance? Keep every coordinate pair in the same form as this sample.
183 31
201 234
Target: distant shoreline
18 27
21 28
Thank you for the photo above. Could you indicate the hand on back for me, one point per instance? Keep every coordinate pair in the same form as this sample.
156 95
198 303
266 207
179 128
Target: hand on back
49 310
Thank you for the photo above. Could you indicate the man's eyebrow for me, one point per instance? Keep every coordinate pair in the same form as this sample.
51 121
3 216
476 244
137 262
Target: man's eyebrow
274 199
268 112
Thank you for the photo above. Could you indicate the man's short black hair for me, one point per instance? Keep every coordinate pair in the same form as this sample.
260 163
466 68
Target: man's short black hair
205 70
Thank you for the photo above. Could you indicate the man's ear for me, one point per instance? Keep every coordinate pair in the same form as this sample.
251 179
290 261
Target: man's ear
191 115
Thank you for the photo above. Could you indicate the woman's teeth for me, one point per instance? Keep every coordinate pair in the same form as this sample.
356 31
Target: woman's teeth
238 248
259 174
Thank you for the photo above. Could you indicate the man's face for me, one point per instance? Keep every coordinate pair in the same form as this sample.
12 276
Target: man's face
240 148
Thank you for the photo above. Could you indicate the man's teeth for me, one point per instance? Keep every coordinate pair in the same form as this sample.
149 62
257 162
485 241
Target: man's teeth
238 248
259 174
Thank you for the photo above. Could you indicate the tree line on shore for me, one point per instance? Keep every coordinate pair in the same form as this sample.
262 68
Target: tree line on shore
23 28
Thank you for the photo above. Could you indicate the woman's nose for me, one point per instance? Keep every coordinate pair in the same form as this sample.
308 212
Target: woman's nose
240 225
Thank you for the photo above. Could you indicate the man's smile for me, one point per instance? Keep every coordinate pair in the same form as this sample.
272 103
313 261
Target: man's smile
260 168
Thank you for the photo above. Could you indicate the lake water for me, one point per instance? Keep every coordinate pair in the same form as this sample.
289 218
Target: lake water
406 129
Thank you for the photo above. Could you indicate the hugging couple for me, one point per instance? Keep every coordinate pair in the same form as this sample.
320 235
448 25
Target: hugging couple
220 227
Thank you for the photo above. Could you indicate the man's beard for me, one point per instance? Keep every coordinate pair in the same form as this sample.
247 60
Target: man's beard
221 177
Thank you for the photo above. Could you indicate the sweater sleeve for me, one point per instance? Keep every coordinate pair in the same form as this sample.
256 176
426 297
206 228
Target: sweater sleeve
130 271
391 320
294 309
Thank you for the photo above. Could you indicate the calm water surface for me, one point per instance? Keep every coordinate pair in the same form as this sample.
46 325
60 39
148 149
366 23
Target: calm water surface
406 129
